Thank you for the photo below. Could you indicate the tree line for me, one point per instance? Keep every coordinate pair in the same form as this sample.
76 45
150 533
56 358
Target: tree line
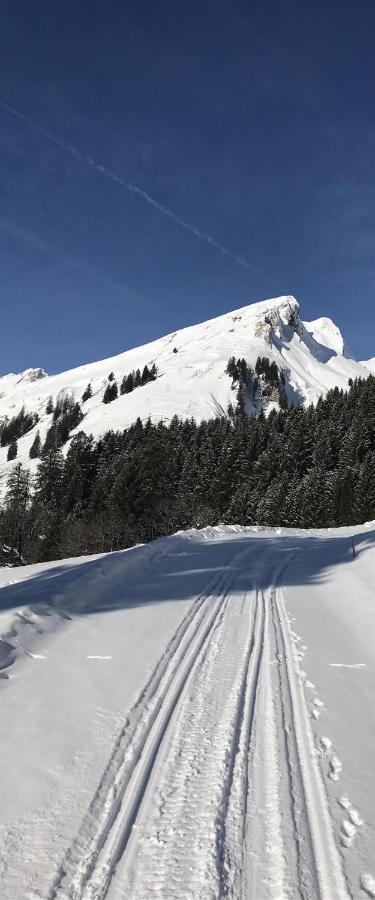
305 467
66 414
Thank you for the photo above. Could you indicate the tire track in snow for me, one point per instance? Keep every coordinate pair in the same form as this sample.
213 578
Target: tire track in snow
179 848
78 875
233 829
213 788
320 873
264 845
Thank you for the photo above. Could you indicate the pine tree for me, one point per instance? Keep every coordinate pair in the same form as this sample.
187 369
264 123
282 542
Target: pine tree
231 368
87 394
35 451
12 450
15 428
49 477
111 376
110 393
50 442
79 473
145 377
365 492
243 505
127 384
16 502
137 379
270 506
49 407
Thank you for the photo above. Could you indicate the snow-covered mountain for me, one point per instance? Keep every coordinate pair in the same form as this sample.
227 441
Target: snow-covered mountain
191 378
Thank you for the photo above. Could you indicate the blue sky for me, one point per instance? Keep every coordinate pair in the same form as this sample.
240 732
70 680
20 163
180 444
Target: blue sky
253 122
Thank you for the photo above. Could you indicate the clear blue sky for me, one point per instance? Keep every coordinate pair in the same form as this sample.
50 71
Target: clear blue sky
253 122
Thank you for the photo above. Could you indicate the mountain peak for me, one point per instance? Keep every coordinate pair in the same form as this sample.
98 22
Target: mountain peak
192 379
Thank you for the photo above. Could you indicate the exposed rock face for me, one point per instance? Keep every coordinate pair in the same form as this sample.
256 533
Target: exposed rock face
31 375
279 321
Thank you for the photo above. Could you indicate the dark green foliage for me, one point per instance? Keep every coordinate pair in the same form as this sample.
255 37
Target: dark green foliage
36 447
87 394
15 515
49 407
15 428
135 379
49 477
12 450
127 384
111 392
66 417
311 468
239 371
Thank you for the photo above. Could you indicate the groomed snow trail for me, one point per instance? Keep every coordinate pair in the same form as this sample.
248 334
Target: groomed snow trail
213 788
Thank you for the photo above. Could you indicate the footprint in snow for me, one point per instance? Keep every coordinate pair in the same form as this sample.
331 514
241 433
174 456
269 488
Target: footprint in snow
335 768
347 832
368 884
352 812
324 746
318 702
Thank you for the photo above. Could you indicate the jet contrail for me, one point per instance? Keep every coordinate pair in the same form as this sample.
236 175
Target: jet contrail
134 189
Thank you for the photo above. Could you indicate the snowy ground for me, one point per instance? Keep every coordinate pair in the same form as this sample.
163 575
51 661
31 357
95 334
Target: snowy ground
191 719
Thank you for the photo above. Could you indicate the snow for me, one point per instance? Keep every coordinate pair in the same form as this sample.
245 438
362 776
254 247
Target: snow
193 718
326 333
369 364
192 381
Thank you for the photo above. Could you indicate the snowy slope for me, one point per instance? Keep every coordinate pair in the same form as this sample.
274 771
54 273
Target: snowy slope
190 720
369 364
192 381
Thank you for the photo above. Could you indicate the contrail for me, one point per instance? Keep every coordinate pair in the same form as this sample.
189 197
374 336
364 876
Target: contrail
134 189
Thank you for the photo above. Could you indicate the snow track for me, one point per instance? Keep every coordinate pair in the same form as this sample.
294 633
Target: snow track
213 788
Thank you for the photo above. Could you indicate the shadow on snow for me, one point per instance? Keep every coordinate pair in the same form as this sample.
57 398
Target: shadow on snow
182 567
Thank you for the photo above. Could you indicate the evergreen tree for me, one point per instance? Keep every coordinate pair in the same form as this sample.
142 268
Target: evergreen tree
16 503
127 384
87 394
12 450
79 472
35 451
365 493
49 477
49 407
14 428
50 442
110 393
311 467
145 377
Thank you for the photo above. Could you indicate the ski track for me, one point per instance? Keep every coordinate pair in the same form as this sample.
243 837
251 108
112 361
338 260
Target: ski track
213 788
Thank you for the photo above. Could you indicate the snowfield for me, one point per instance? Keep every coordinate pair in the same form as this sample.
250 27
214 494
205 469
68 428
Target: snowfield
191 364
193 718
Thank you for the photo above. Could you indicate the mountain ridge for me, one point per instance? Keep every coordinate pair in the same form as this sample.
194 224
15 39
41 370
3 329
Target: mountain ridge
191 372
